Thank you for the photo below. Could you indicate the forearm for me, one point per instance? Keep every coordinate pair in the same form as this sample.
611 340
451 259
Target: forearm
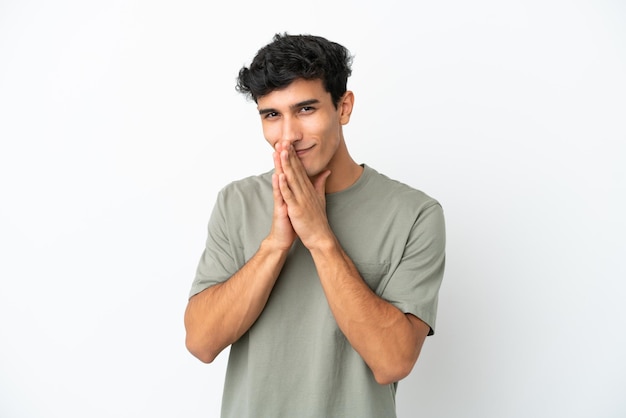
221 314
387 339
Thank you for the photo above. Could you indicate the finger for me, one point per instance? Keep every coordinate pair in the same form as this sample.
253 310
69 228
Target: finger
292 158
293 169
278 197
320 183
278 167
285 190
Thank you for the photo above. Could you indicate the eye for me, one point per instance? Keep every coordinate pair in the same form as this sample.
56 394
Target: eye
307 109
270 115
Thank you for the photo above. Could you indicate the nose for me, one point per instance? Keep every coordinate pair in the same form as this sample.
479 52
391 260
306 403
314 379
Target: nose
291 131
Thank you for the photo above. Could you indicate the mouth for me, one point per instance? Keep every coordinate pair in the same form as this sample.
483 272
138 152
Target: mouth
302 152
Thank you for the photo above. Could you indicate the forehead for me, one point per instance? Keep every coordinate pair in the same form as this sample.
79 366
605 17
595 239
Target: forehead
298 91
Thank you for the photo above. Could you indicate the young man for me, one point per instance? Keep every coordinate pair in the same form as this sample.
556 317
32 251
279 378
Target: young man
322 274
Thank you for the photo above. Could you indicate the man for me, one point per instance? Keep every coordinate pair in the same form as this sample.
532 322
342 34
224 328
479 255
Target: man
322 274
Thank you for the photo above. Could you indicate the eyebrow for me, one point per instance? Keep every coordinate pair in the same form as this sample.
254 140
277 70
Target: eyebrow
292 107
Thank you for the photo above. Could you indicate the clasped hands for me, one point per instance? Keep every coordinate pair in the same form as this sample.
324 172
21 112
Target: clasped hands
299 201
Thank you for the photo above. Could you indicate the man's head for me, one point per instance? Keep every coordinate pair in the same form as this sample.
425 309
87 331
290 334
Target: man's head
291 57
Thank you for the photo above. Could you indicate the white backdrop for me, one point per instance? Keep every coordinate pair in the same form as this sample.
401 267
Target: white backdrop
119 123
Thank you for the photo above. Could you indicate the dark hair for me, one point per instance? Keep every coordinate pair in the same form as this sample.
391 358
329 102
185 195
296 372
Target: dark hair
291 57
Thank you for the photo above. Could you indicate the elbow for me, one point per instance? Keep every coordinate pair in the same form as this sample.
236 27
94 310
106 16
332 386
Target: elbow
389 377
198 342
392 373
199 351
204 357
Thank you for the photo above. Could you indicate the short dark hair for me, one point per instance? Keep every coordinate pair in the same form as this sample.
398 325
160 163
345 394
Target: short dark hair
291 57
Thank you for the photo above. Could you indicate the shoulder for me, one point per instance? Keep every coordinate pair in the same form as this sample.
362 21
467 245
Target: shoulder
248 185
245 195
397 193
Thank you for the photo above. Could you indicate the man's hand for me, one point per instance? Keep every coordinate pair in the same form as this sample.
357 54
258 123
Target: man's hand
304 199
281 232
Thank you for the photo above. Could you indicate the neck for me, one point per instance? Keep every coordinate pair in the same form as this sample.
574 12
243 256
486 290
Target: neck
344 171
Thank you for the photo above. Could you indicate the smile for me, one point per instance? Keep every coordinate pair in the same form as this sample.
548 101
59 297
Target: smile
301 152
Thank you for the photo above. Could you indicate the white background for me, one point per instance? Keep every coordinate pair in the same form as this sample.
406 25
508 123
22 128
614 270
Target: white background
119 123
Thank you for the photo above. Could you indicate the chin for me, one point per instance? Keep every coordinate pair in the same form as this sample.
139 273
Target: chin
314 168
314 173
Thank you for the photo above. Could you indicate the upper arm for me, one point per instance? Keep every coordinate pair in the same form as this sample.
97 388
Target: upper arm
419 331
420 328
218 260
413 286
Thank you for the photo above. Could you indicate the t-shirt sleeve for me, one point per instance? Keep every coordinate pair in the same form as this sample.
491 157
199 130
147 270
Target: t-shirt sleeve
218 261
414 285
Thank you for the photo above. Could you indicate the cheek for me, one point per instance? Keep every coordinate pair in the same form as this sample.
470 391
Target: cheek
270 135
332 136
325 131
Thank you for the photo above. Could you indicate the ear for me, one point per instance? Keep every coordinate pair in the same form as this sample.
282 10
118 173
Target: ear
345 107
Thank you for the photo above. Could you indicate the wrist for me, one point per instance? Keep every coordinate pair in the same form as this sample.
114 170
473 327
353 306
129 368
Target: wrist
324 245
271 245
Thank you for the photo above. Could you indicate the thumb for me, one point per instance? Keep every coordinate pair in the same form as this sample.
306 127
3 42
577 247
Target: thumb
320 182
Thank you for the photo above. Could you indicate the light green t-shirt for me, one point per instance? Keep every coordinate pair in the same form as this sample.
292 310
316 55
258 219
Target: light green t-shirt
295 361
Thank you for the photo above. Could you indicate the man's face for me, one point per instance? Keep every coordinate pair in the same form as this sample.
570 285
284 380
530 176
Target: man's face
304 115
